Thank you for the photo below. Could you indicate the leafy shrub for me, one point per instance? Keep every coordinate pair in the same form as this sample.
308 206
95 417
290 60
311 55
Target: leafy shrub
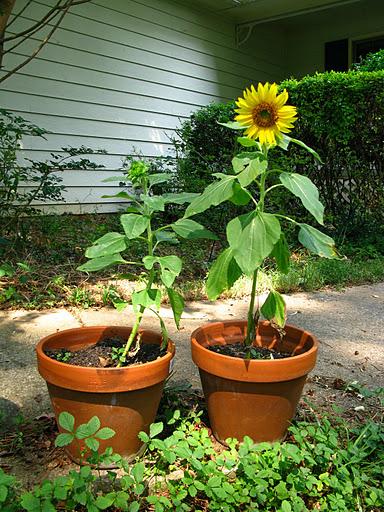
372 62
41 178
340 115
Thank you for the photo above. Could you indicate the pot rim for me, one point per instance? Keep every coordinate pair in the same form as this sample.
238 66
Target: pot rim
253 370
40 347
102 380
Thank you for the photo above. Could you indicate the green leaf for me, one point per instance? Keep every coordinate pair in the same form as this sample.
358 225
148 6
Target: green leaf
134 209
121 195
3 493
134 506
170 267
166 236
155 429
236 226
240 197
64 439
180 198
92 443
285 506
250 173
233 125
283 141
241 160
247 142
306 191
143 436
100 263
310 150
164 333
6 270
110 247
138 472
214 194
103 502
252 243
177 304
122 179
223 274
161 177
30 502
48 506
105 433
119 304
192 490
93 425
317 242
154 203
274 308
281 254
146 298
214 481
112 236
67 421
88 429
191 230
134 225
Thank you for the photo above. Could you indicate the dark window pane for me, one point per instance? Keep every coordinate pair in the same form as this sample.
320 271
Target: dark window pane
361 49
336 55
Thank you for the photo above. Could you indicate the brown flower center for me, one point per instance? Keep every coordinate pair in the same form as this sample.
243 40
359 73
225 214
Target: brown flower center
264 115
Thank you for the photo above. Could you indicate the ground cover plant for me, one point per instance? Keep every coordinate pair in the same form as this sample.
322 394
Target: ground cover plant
329 461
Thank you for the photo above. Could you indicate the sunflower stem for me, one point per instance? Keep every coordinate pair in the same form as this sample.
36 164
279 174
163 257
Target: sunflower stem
253 315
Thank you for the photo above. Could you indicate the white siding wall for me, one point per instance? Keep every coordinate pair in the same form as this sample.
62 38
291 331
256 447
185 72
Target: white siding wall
122 75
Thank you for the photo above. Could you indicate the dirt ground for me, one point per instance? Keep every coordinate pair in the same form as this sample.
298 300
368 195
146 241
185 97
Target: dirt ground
349 325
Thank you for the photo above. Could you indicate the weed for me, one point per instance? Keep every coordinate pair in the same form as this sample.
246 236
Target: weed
81 297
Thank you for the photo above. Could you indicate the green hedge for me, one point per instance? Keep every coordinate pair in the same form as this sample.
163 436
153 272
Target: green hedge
340 115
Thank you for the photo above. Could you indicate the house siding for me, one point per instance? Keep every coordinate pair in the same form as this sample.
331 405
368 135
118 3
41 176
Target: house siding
122 77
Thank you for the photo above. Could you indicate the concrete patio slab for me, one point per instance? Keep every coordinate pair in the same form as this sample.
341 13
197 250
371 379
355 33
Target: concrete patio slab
349 325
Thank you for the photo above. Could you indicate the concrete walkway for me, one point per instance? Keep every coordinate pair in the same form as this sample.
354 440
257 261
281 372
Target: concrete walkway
349 325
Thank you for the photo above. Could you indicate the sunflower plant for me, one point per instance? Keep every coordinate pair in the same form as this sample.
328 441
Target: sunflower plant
142 221
265 120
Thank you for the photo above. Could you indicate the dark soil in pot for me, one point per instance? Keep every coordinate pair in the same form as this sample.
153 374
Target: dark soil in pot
243 352
101 354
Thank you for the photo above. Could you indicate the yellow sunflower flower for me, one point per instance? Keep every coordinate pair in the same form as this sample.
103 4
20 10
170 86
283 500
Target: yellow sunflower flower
264 114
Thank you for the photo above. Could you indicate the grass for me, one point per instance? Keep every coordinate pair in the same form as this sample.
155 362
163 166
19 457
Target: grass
41 271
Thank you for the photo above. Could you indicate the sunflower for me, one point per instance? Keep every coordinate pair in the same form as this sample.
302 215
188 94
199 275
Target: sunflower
264 114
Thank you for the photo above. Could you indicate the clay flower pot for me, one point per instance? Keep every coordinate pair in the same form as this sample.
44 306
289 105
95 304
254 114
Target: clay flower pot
257 398
124 399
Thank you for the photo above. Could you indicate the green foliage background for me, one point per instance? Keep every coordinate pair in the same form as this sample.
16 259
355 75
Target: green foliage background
340 115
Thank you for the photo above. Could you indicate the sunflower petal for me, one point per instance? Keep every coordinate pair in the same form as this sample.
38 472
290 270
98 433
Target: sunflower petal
264 114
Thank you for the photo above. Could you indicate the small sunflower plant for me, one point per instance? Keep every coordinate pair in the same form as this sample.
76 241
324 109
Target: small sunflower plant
158 269
265 119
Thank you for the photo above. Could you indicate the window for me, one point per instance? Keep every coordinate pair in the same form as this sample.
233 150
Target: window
336 55
360 49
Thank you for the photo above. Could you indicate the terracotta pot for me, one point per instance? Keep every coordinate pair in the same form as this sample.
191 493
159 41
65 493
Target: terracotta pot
257 398
124 399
